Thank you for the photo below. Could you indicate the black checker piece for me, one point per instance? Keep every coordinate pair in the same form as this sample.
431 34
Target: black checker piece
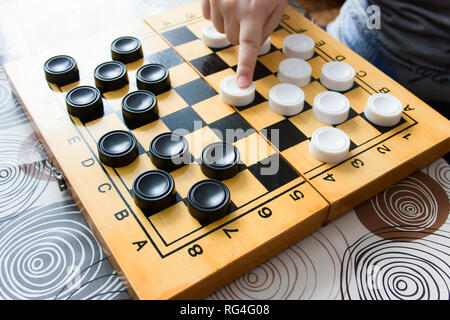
169 151
110 76
61 70
85 102
154 191
139 107
126 49
117 148
208 201
220 161
153 77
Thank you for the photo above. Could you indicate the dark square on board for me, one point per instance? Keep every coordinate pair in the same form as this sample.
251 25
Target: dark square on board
209 64
258 99
260 71
185 119
195 91
283 134
381 128
231 128
168 58
179 36
273 172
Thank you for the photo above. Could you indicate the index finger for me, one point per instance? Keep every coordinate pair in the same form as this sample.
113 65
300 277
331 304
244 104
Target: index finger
249 45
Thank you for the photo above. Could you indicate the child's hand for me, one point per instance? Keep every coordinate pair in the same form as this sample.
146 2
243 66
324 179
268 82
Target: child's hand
247 23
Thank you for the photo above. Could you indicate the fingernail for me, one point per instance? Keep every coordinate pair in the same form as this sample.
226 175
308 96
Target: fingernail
242 81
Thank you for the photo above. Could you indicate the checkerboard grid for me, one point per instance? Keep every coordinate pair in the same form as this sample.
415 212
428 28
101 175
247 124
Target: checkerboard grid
219 60
191 93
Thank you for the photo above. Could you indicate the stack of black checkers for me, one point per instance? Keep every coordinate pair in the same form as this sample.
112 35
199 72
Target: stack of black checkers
154 190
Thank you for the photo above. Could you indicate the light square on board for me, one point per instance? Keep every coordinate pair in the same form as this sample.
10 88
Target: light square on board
196 28
307 123
303 158
186 176
199 139
216 78
358 99
170 102
359 130
230 55
100 126
118 94
193 50
212 109
272 60
129 173
254 148
182 74
316 65
264 85
146 133
311 90
277 37
261 116
243 187
174 222
153 43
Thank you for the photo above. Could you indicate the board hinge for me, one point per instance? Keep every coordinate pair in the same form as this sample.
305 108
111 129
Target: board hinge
59 178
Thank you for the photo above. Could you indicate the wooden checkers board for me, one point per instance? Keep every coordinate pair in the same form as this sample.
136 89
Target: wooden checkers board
379 156
169 254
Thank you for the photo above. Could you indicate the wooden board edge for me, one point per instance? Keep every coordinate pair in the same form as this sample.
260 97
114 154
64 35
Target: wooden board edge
390 178
254 258
54 162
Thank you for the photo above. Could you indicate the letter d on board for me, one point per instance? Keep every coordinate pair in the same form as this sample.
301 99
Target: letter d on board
88 162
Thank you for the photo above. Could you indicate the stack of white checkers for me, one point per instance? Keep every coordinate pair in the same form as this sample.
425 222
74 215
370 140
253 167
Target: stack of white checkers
328 144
